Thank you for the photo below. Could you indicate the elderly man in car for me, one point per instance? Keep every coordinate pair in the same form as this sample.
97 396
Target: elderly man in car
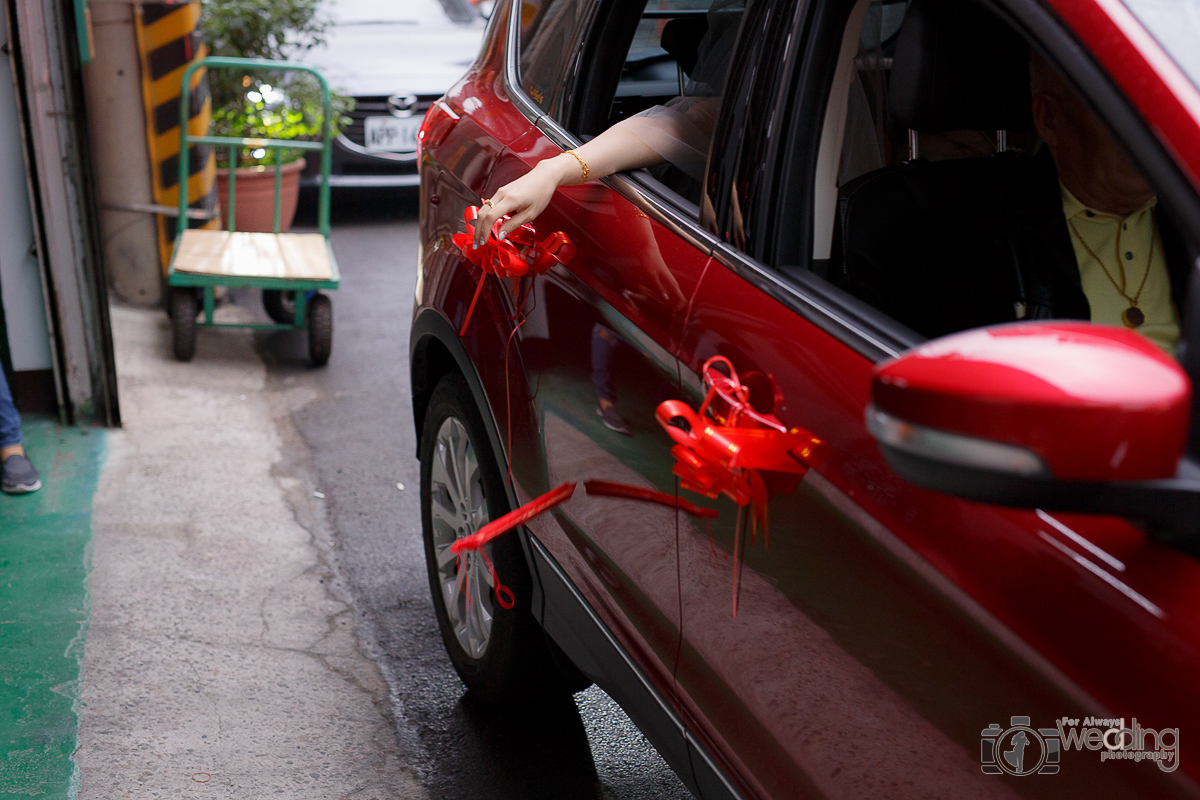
1126 275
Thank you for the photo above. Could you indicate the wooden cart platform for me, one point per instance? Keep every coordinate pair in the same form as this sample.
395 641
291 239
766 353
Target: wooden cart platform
288 256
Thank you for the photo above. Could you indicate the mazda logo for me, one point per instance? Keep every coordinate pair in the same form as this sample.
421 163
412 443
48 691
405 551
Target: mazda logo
402 105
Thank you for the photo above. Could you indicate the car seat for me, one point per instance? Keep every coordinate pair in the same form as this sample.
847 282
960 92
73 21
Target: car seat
681 39
932 244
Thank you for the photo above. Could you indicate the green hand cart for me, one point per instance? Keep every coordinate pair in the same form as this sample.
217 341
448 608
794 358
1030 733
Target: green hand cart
300 264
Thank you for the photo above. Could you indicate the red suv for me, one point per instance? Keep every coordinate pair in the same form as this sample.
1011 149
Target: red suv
988 587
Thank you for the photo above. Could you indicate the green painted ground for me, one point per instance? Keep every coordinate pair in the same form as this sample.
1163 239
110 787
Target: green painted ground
44 560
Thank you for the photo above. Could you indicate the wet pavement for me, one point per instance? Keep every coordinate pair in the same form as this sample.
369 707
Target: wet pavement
355 418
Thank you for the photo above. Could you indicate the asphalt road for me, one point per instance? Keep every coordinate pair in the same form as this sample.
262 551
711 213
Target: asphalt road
357 421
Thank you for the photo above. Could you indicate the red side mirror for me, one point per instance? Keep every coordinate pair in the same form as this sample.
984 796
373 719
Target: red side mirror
1064 416
1091 402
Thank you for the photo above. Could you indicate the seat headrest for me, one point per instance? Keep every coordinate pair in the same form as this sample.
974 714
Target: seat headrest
958 67
681 39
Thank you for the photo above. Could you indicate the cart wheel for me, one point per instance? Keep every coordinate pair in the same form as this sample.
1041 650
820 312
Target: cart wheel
184 308
320 329
280 305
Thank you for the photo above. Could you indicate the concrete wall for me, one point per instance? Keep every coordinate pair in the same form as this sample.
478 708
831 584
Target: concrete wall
20 275
121 162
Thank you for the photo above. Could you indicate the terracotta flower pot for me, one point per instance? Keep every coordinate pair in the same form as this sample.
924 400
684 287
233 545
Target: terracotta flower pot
254 201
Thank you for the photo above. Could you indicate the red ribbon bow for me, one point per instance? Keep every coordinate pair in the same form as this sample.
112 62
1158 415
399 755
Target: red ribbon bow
725 452
514 256
727 445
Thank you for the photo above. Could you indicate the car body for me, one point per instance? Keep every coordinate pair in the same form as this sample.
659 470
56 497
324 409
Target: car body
394 59
887 637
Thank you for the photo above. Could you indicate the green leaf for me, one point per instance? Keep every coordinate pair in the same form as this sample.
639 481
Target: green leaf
272 29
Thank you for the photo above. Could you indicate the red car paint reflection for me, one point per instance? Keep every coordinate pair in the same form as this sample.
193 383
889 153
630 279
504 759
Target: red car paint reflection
886 626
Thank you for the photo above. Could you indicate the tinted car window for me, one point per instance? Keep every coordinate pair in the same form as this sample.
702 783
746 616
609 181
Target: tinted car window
927 161
739 171
676 56
551 32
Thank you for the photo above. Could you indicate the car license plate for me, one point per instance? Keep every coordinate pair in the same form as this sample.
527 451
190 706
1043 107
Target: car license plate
391 134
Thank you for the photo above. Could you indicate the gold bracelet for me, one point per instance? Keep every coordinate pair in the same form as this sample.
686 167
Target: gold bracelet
582 164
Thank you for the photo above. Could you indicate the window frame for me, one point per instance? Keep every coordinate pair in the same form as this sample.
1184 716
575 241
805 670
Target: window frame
638 187
837 313
570 73
758 69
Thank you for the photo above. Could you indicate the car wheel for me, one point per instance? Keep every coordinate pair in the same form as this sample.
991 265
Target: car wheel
500 653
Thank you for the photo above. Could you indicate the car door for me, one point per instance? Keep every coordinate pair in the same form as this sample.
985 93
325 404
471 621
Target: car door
882 631
604 327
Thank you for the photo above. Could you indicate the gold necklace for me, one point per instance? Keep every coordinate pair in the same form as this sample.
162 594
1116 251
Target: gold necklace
1133 317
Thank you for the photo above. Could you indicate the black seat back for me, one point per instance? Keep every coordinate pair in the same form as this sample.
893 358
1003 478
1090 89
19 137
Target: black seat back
929 242
681 39
958 67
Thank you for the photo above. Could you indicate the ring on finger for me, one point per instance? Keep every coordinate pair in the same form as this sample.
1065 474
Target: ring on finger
489 203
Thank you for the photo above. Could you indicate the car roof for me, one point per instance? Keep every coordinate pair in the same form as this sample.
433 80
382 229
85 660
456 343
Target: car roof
1154 82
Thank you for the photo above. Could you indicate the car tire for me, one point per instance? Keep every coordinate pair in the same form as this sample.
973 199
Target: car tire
184 308
501 655
280 305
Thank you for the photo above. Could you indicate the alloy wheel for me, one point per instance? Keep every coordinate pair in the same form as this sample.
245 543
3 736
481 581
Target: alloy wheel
457 509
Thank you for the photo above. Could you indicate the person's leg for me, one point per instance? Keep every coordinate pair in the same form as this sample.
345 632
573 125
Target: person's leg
17 474
10 423
604 348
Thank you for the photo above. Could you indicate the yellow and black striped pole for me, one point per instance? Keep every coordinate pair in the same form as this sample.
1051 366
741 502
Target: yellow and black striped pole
168 41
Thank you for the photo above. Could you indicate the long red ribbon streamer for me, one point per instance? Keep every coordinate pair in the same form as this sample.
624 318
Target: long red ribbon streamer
612 489
514 518
498 527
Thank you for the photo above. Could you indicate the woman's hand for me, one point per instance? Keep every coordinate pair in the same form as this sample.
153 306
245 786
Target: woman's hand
525 198
621 147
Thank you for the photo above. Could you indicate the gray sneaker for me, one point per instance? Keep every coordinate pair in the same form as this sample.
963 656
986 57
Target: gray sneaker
612 420
18 476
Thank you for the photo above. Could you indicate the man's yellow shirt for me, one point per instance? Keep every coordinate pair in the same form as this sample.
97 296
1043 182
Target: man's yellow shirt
1123 245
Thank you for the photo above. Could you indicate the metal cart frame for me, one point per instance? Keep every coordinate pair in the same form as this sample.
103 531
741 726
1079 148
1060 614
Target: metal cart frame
190 282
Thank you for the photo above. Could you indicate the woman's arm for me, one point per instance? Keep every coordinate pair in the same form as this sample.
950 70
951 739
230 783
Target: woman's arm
619 148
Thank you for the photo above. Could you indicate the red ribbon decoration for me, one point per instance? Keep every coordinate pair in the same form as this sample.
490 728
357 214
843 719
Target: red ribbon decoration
727 444
514 256
498 527
514 518
501 527
611 489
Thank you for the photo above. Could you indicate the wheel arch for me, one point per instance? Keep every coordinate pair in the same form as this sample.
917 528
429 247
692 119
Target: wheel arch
435 349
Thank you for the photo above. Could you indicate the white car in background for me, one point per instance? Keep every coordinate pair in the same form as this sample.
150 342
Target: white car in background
395 57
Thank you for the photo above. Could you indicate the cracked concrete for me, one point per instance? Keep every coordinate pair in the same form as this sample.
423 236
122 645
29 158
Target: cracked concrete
222 658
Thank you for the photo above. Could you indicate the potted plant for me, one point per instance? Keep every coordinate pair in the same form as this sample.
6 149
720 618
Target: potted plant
265 104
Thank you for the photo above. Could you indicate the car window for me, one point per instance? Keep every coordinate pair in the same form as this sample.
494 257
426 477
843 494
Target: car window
551 34
665 52
675 56
741 168
934 200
